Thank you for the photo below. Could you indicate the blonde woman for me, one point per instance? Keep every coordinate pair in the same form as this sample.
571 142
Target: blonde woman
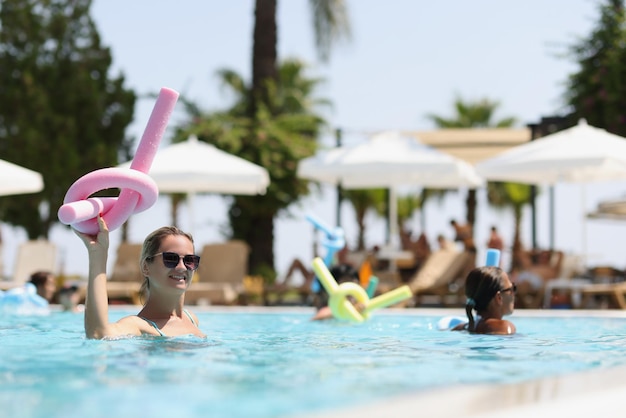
167 262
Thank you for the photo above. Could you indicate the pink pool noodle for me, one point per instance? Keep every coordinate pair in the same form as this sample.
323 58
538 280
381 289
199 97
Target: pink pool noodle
138 190
149 144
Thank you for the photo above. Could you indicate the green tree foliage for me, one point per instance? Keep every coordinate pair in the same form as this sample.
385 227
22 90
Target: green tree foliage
364 200
597 91
257 227
511 195
284 133
60 113
477 114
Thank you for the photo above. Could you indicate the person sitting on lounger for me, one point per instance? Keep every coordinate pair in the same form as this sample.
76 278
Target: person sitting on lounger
167 262
491 294
342 273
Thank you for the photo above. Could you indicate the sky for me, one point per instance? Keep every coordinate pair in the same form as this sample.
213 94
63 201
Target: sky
406 59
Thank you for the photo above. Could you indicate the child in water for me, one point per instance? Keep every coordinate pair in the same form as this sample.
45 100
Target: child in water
342 273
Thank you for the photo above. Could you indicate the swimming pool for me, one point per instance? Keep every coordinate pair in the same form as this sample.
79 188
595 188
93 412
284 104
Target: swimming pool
275 363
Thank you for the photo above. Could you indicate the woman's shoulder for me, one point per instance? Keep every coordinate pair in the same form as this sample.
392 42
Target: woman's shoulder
495 326
138 325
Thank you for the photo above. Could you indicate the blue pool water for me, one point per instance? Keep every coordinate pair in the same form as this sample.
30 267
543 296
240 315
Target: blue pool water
277 364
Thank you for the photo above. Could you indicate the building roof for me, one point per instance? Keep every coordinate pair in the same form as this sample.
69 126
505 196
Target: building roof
475 144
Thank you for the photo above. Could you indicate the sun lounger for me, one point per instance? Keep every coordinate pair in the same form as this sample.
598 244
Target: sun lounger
613 291
126 278
32 256
443 268
220 278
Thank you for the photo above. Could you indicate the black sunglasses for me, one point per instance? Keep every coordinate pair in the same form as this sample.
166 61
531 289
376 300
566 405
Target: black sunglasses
508 289
171 260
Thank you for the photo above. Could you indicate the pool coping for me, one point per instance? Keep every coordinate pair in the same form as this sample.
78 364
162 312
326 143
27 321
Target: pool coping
576 394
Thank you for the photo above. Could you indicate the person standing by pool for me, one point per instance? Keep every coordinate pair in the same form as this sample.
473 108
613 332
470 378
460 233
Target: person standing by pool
167 263
495 240
491 294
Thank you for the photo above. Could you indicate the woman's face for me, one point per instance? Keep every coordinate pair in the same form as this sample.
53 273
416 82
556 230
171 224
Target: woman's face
508 295
48 289
175 277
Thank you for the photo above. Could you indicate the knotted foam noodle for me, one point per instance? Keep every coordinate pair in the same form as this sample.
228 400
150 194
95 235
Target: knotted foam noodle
338 301
138 191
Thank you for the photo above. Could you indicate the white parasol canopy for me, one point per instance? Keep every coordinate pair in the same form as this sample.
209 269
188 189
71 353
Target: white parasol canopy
194 167
389 160
579 154
15 179
582 153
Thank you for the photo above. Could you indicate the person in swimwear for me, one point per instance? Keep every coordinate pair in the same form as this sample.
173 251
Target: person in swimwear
167 262
491 294
342 273
45 283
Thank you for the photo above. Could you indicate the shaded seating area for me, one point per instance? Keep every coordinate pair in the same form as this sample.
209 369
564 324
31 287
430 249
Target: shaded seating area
286 292
606 289
32 256
441 277
604 295
532 271
124 285
220 278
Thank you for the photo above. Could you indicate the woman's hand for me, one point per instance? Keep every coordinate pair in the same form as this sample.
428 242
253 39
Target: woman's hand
99 242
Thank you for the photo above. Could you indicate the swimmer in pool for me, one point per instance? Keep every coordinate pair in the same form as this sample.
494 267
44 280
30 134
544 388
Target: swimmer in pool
491 294
167 263
342 273
45 283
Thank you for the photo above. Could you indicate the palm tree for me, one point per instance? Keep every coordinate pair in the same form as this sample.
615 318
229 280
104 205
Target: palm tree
513 195
480 114
364 200
285 128
331 25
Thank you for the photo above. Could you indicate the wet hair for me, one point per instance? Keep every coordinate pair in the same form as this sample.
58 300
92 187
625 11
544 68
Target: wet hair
481 285
68 290
342 273
39 278
151 246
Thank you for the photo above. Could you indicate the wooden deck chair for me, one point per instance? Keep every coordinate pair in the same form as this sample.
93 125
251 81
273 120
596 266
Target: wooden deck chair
220 277
441 269
614 292
32 256
284 291
126 278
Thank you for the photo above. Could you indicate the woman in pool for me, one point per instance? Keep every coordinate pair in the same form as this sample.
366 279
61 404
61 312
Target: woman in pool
167 263
491 294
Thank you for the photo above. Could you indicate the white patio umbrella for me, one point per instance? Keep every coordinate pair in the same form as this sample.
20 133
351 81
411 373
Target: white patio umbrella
389 160
15 179
194 167
581 154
